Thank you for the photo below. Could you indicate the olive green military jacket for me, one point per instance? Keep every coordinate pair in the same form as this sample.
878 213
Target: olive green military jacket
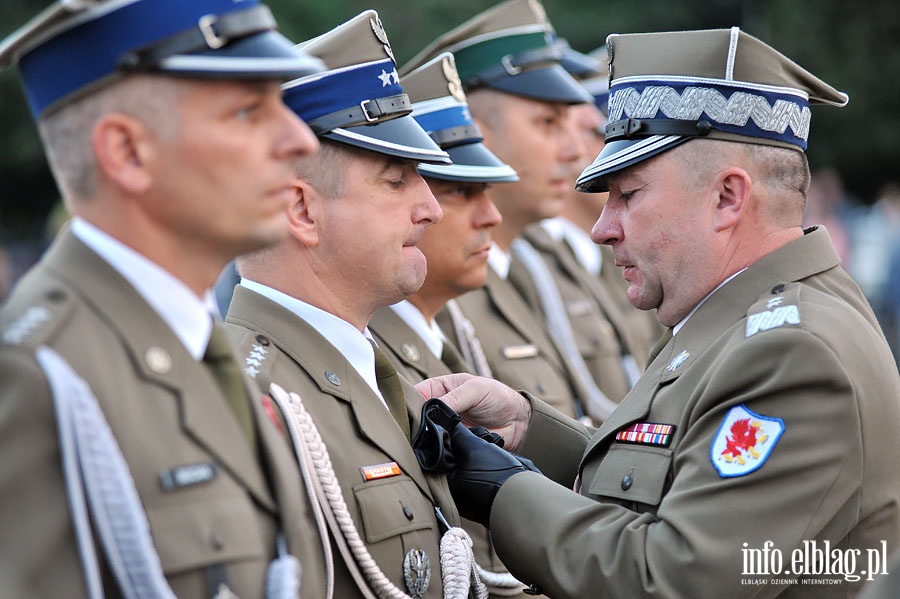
393 510
517 348
166 413
415 361
598 324
768 422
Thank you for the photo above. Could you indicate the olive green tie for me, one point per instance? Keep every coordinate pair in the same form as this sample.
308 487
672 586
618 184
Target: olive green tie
452 360
220 360
389 384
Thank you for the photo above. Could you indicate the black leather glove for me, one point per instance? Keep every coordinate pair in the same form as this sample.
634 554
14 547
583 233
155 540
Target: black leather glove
475 464
431 443
481 469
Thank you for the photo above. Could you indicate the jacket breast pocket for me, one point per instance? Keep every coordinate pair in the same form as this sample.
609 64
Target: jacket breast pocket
217 530
633 473
392 507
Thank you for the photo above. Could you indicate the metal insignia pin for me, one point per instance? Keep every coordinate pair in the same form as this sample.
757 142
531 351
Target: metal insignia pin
158 360
454 84
417 572
378 29
410 352
678 360
333 378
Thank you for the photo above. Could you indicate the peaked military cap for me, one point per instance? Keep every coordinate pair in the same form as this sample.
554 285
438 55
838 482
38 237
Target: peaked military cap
75 46
667 88
511 48
578 64
439 106
590 70
359 100
597 84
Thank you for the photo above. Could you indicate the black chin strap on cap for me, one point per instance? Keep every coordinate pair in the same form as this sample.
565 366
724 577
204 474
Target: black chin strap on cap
454 136
638 128
513 64
367 112
212 32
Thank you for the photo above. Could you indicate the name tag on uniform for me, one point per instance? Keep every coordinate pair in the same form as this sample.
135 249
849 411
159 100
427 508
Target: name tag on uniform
378 471
517 352
187 475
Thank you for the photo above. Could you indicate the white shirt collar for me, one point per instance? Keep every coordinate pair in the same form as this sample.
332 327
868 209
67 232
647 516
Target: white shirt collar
586 251
684 320
189 316
430 333
354 345
499 261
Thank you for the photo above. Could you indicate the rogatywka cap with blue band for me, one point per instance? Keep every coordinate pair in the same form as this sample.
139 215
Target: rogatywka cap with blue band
359 100
668 88
75 46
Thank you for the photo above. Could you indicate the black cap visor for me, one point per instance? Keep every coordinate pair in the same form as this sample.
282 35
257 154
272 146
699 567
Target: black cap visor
621 154
550 83
265 55
401 137
473 163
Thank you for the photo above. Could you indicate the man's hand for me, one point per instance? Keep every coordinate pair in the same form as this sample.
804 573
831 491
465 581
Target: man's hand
481 469
483 402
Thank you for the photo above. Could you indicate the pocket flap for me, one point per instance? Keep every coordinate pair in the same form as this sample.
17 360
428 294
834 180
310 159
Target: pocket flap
406 510
633 473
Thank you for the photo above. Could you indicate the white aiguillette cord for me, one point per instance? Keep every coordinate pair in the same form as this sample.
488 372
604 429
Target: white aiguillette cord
93 466
459 572
596 404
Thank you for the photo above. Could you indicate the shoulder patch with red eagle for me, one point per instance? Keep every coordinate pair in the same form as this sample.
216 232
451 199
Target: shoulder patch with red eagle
744 442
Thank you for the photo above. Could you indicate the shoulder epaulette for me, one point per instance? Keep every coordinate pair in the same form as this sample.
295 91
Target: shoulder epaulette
253 353
776 308
36 324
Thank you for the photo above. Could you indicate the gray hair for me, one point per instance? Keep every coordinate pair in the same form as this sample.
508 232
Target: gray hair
67 131
782 172
326 171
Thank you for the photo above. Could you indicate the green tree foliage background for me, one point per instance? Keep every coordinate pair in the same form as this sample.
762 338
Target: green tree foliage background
851 45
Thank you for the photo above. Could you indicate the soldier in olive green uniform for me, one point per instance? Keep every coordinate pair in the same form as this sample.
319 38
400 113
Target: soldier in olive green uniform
301 311
456 250
518 94
756 454
613 337
103 339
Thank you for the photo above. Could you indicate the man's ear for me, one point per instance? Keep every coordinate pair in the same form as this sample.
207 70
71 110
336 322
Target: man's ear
732 187
305 213
124 150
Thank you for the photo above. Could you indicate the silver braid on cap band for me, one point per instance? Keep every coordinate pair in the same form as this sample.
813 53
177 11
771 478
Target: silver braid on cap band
692 102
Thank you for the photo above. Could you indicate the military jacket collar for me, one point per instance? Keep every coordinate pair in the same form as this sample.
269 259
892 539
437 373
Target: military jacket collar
330 371
160 358
811 254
